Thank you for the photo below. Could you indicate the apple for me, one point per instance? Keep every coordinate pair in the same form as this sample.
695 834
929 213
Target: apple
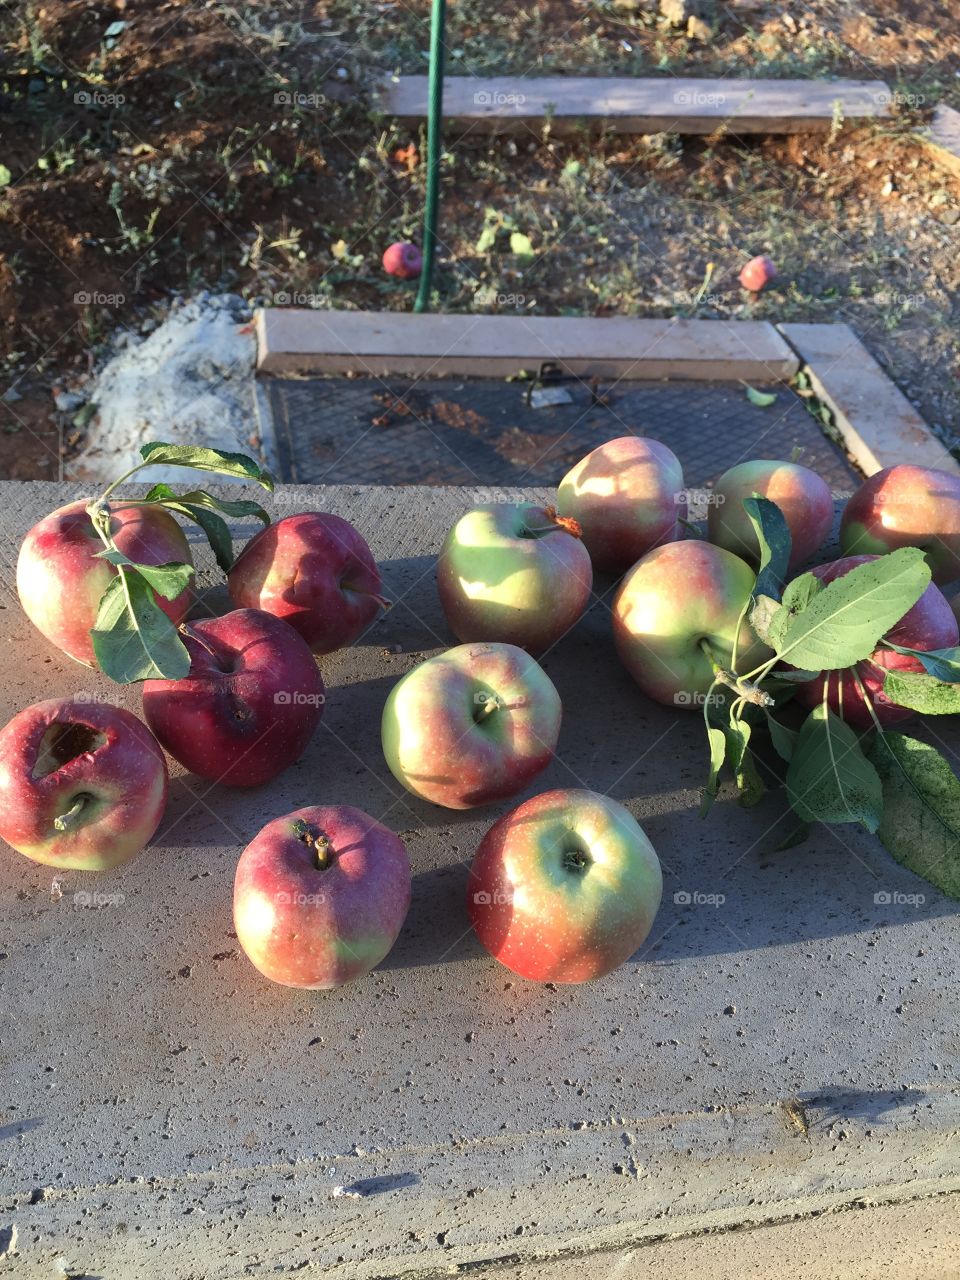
316 572
673 603
627 496
930 624
470 726
802 496
250 704
907 506
320 896
403 259
60 577
758 273
565 887
83 785
515 572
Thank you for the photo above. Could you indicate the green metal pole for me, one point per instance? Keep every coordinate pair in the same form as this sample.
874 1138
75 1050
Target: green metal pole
434 151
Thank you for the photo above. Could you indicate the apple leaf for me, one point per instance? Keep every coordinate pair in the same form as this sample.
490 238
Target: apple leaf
133 638
168 580
784 740
921 811
200 459
843 623
762 399
202 508
764 609
796 596
773 535
829 779
718 751
921 692
748 780
942 663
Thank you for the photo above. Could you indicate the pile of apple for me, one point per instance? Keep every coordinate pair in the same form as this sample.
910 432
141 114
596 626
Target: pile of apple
563 887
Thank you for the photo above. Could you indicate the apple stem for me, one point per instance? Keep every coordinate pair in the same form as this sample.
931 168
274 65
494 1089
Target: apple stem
742 687
189 632
318 842
489 706
565 523
382 601
64 821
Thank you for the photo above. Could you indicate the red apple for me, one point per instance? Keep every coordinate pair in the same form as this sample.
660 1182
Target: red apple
514 572
907 506
470 726
250 704
403 259
674 603
82 784
758 273
802 496
320 896
316 572
627 496
930 624
565 887
60 578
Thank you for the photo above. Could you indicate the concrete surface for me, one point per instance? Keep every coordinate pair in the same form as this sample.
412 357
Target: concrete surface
786 1043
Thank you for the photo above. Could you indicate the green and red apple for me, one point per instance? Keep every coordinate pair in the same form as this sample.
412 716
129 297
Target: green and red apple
565 887
514 572
907 506
802 496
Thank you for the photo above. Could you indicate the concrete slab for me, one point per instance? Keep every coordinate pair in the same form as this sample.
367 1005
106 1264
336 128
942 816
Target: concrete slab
785 1044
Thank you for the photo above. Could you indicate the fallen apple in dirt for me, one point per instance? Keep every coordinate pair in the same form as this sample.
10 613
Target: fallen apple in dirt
627 496
61 575
514 572
248 707
758 273
907 506
929 625
316 572
675 618
82 784
403 260
565 887
320 896
470 726
802 496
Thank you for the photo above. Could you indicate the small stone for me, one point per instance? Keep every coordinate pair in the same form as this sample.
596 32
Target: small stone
730 1010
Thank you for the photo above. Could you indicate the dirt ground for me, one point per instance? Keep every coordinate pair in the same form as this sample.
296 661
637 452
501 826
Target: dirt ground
151 148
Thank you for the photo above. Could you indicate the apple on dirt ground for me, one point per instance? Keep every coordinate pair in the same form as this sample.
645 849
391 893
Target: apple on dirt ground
315 571
83 784
678 607
565 887
514 572
320 896
930 624
61 576
802 496
472 725
756 274
403 260
627 496
248 707
907 506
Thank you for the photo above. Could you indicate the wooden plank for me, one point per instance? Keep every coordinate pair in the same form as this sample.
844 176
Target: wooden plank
879 425
383 343
513 104
943 138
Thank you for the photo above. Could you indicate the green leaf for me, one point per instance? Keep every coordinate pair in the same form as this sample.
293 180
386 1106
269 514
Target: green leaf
843 623
748 780
829 779
521 245
488 238
773 535
921 692
792 677
784 740
225 464
765 608
942 663
762 399
133 638
6 177
168 580
718 750
921 810
236 508
796 596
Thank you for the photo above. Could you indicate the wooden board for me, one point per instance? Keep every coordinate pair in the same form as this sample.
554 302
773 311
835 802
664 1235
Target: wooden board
385 343
879 425
943 137
514 104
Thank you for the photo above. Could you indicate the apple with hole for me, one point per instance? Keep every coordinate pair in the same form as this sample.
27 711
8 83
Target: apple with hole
514 572
471 726
565 887
83 785
248 707
802 496
61 577
320 896
316 572
403 260
756 274
627 496
929 624
678 606
907 506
